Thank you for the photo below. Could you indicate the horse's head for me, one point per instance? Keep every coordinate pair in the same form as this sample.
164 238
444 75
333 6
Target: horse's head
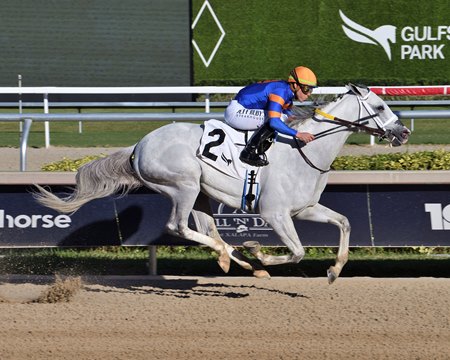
380 116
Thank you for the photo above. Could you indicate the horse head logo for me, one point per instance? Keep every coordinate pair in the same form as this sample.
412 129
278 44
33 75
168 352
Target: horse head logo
227 161
380 36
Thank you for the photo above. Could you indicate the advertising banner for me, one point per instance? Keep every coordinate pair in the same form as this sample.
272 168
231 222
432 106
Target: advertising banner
410 215
403 42
235 227
380 215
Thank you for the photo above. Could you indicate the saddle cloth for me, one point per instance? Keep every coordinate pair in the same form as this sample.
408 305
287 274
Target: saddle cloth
220 147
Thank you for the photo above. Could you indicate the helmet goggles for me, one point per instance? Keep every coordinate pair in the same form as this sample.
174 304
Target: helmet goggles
305 88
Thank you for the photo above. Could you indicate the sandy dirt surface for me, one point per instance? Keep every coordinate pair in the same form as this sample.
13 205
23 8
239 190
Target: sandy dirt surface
226 318
37 157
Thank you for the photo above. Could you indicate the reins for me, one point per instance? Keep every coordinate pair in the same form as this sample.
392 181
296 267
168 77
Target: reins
309 162
350 125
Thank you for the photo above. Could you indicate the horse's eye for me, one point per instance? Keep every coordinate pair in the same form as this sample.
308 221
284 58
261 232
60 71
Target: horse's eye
380 108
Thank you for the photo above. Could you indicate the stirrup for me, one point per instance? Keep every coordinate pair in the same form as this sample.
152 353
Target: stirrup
253 159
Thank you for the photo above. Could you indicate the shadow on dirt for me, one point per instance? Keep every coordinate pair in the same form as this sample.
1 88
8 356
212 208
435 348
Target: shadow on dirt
183 288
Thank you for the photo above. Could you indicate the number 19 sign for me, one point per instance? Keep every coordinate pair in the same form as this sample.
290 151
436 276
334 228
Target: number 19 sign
440 217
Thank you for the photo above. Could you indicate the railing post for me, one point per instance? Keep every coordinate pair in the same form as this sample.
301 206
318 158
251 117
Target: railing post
19 80
23 144
152 260
80 124
46 123
207 105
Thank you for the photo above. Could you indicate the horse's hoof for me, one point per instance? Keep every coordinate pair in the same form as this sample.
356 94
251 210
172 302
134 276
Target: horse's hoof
261 274
252 246
332 276
224 261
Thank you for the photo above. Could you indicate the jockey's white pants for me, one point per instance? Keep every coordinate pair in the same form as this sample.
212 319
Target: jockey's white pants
241 118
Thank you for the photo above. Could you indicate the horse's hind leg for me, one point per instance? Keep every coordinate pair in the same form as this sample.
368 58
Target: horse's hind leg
205 224
320 213
283 225
183 199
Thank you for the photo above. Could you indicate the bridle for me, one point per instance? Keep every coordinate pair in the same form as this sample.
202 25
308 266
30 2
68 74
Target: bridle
358 125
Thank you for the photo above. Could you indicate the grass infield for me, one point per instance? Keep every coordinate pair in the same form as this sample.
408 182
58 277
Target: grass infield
122 134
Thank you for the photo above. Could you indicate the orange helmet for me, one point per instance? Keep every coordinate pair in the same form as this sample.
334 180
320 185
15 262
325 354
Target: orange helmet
302 75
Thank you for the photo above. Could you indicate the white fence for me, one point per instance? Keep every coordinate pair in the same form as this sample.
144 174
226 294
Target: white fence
28 118
206 90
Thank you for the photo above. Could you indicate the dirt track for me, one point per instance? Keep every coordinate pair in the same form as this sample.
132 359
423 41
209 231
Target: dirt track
229 318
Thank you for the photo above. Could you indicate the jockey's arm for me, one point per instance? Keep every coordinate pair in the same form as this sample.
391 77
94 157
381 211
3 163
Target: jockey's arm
278 125
275 109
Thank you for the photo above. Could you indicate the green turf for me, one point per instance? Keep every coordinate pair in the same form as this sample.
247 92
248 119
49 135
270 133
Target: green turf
121 133
93 133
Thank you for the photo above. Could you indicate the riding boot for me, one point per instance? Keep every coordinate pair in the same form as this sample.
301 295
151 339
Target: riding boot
258 144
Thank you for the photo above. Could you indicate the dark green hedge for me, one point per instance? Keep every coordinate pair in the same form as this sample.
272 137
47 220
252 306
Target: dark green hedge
424 160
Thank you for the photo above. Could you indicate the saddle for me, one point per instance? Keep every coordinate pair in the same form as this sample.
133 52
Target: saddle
220 147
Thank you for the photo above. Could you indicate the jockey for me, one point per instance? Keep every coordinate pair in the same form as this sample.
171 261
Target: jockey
261 107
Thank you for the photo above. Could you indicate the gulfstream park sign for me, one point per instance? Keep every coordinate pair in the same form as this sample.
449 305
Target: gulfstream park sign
416 42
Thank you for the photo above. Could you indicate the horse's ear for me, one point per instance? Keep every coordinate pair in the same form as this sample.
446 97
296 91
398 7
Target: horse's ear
353 88
360 90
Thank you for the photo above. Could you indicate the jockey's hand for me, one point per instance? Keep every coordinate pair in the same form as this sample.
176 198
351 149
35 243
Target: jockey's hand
305 137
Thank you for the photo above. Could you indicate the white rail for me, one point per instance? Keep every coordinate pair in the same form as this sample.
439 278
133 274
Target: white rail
206 90
28 119
45 91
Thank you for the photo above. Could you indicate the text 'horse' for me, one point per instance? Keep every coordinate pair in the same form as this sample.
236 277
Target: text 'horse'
166 161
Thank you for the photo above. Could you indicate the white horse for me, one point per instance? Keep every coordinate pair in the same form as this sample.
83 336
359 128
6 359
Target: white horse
165 161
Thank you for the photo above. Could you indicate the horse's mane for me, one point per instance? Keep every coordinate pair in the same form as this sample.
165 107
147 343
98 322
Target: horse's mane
302 113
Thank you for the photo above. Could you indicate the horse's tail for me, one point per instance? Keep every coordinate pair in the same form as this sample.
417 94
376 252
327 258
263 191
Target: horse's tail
97 179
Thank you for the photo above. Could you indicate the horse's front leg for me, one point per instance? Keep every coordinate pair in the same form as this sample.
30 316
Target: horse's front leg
320 213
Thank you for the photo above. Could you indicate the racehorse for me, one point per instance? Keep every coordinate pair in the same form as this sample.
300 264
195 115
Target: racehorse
166 161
